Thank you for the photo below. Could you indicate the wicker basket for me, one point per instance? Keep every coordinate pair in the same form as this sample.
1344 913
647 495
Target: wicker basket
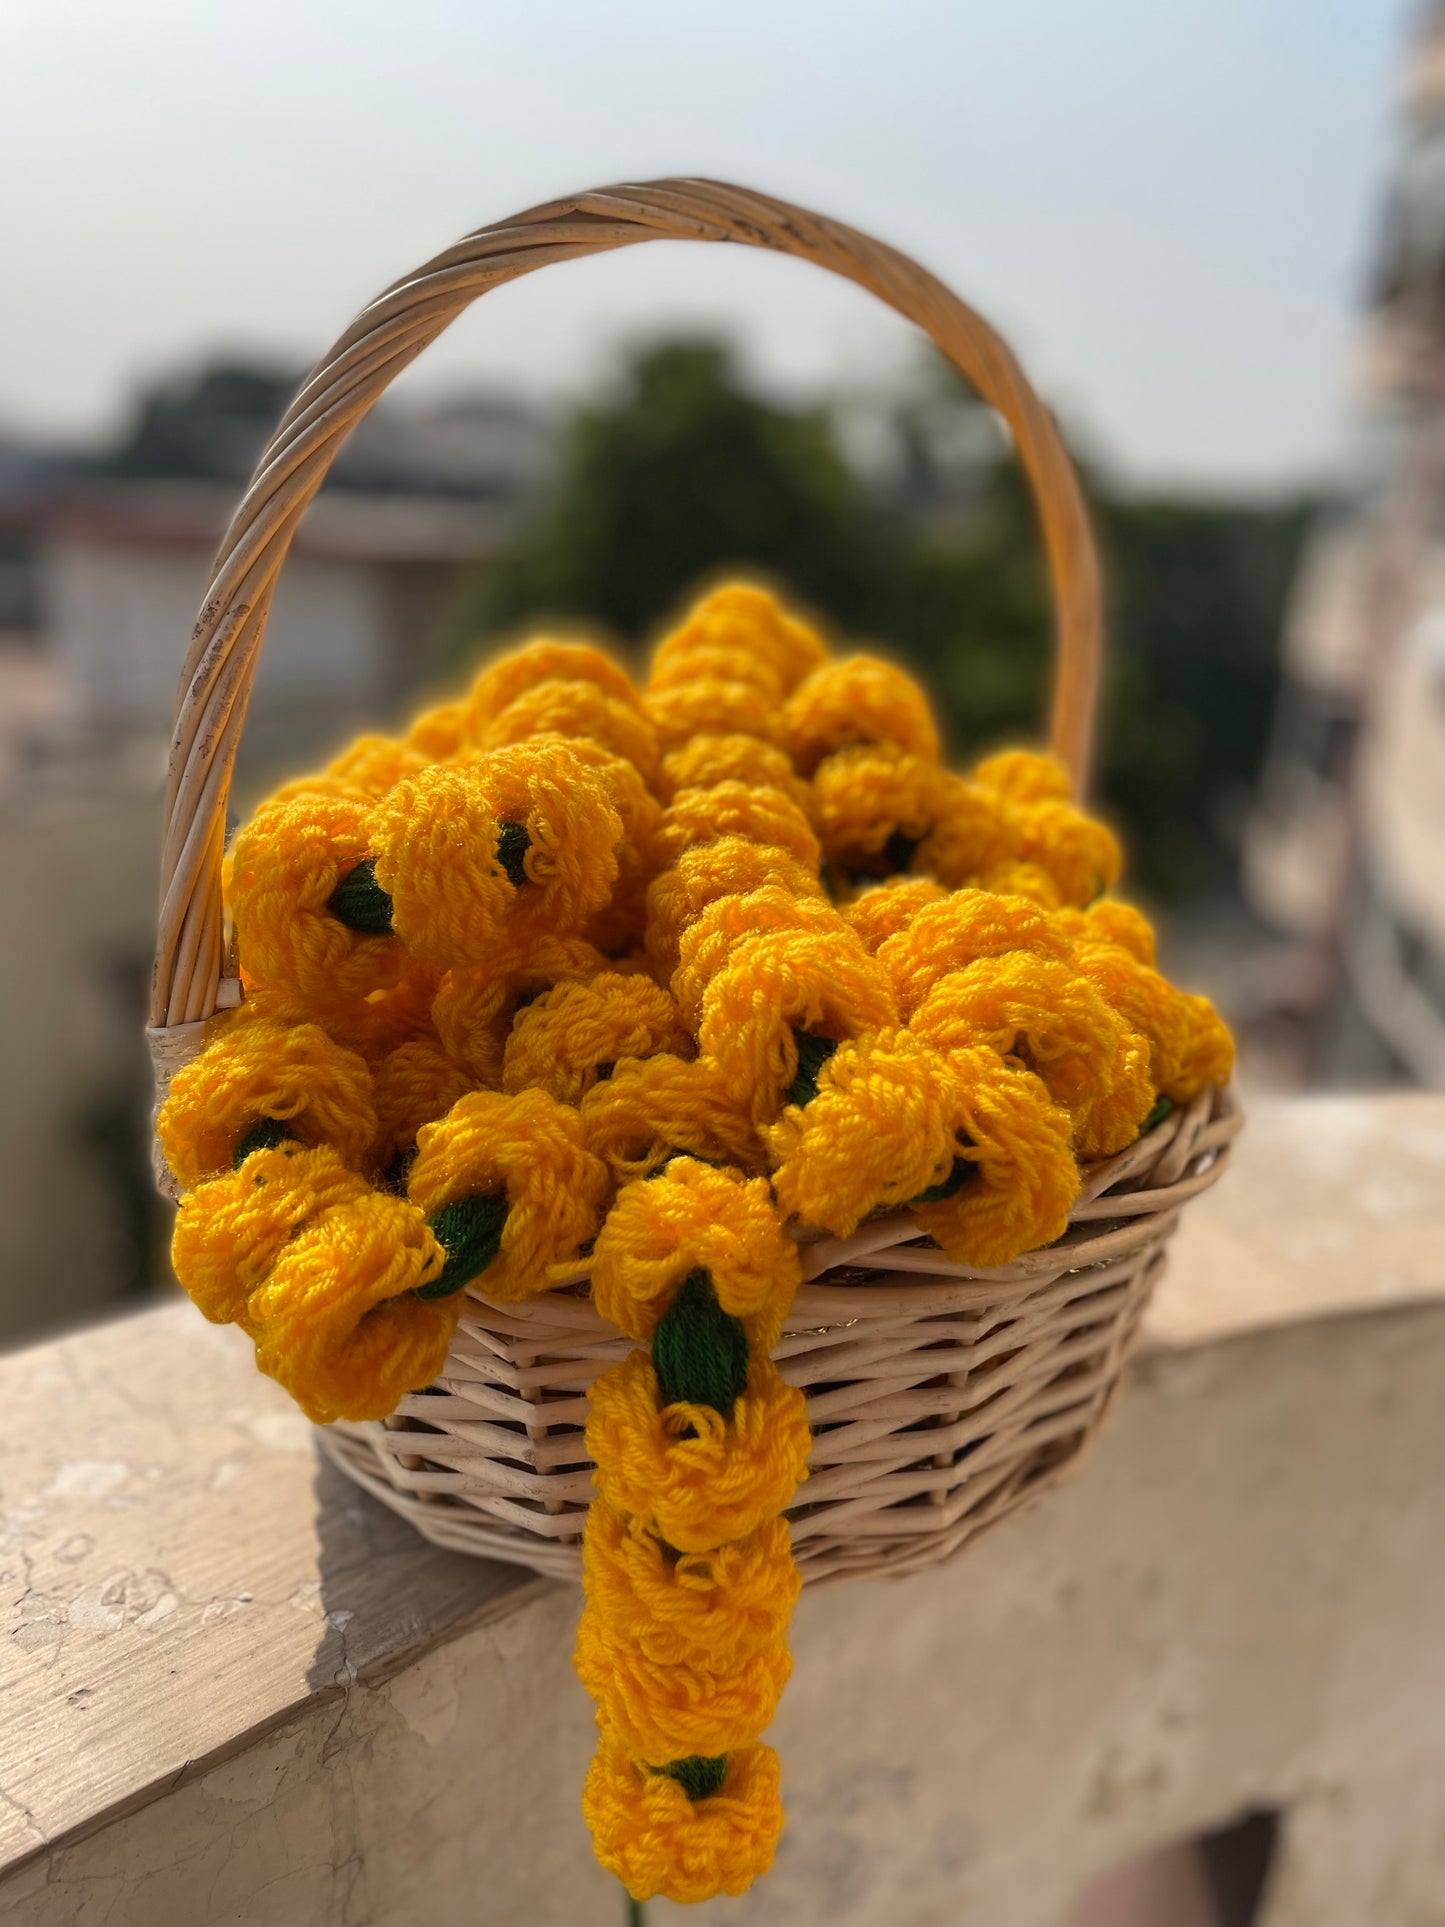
940 1397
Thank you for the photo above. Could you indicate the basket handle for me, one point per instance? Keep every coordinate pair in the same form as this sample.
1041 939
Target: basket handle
386 337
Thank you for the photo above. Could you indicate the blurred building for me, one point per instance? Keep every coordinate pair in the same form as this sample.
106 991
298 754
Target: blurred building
1346 853
103 561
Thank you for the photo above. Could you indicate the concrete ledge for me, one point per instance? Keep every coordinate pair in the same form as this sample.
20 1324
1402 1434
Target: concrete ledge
237 1691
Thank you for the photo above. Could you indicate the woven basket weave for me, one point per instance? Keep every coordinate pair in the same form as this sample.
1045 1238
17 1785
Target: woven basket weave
940 1397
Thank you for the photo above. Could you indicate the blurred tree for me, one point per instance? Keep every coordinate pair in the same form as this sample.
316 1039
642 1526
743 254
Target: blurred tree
933 552
681 475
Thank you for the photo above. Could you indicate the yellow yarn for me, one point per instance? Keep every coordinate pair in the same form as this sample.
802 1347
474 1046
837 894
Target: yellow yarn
436 839
710 940
439 734
230 1230
890 1119
255 1069
1190 1045
369 767
882 1128
736 809
1109 921
752 625
575 1033
545 659
474 1007
656 1841
529 1148
727 868
1025 1178
411 1086
677 664
705 761
336 1322
667 1706
1056 1023
284 866
714 1608
859 699
1079 855
577 710
881 910
651 1107
973 832
778 983
687 1473
869 796
964 926
1024 776
692 1216
617 926
707 702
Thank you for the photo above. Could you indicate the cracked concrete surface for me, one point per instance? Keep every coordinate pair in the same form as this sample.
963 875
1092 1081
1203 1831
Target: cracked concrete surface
238 1692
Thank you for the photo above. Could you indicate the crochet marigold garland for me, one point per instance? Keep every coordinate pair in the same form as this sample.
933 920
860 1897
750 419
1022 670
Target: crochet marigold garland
581 978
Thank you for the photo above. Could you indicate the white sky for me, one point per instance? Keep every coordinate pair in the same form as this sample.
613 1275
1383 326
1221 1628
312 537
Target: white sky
1166 205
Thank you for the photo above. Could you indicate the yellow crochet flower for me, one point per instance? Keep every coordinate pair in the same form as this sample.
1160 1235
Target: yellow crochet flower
1024 776
577 710
1190 1046
697 1478
666 1706
618 925
711 939
680 710
726 868
770 817
474 1007
412 1085
1024 1178
775 987
881 1130
652 1107
285 869
894 1121
577 1033
858 699
230 1230
881 910
966 925
874 806
510 1190
1053 1021
370 1026
370 767
479 856
691 1217
441 733
545 659
753 627
656 1840
1109 921
338 1324
973 832
257 1072
680 662
714 1608
704 761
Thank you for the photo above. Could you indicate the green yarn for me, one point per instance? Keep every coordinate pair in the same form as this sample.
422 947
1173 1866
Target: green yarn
266 1134
958 1177
699 1351
360 903
513 844
696 1775
469 1231
1162 1106
813 1054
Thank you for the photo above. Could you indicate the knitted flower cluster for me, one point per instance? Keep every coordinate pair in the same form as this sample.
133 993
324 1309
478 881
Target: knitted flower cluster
584 976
